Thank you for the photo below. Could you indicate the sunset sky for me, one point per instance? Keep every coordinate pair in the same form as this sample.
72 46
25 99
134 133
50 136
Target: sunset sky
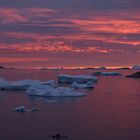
69 33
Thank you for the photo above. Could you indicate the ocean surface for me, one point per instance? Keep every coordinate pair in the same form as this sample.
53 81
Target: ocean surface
110 111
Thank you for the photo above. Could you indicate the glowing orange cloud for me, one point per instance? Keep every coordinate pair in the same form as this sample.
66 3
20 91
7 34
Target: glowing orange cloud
108 25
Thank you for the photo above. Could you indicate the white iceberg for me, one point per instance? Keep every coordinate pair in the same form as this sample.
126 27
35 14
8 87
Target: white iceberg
98 73
84 85
18 85
24 84
51 83
4 83
45 90
63 78
136 67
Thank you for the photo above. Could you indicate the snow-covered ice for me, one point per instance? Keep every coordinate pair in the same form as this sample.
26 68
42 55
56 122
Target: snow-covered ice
24 84
45 90
4 83
64 78
82 85
51 83
136 67
98 73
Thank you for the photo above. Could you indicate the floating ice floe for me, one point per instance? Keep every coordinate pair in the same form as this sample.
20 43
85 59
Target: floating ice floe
45 90
23 109
63 78
4 83
23 84
84 85
51 83
98 73
136 67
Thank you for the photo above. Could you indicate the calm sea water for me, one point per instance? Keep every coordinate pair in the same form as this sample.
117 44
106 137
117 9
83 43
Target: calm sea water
111 111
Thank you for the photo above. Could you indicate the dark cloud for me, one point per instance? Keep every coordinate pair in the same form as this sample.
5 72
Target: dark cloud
74 4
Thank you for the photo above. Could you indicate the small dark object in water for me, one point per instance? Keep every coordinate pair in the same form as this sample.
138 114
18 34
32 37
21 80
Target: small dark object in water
1 67
2 89
34 109
59 136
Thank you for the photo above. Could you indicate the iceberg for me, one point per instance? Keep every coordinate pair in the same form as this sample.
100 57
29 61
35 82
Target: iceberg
84 85
98 73
23 84
51 83
63 78
46 90
136 67
4 83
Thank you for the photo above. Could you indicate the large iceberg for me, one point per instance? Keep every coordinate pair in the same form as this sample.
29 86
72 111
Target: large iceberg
63 78
48 91
82 85
4 83
98 73
23 84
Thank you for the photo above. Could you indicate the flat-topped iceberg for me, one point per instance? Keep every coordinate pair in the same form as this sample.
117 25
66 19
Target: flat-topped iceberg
82 85
48 91
98 73
64 78
51 83
23 84
4 83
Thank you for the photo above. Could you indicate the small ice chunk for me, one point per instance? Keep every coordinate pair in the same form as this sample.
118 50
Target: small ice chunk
79 85
23 109
20 109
